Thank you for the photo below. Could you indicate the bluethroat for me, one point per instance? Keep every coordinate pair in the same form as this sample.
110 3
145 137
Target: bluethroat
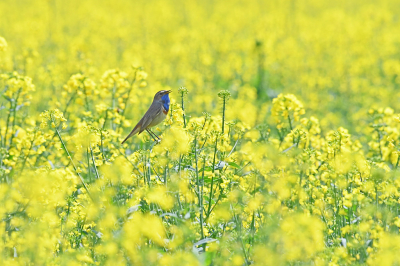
155 115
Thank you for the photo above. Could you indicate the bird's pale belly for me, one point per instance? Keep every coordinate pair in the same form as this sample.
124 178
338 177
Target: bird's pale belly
158 119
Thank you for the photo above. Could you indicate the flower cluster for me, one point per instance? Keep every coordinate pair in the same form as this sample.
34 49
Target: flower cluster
286 109
17 88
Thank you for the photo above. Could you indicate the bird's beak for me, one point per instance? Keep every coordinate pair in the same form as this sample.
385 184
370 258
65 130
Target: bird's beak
168 92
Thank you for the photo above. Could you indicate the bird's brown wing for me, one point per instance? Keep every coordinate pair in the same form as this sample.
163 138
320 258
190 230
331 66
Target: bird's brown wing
153 112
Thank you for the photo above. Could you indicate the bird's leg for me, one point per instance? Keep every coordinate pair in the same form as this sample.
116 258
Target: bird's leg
154 134
151 135
148 131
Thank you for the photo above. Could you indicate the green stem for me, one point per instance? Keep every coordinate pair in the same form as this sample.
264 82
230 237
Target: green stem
197 169
86 99
239 225
202 205
290 122
260 69
221 193
14 116
113 105
205 121
68 103
94 163
379 142
7 123
72 162
88 165
149 171
165 174
101 137
223 115
183 109
212 178
26 158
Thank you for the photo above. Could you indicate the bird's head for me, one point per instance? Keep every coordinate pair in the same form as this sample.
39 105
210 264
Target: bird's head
162 95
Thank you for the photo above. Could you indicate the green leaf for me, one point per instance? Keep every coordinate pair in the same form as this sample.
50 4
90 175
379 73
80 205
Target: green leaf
206 169
234 165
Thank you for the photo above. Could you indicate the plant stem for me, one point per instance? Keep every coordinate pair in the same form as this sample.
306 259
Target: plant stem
86 99
68 103
7 123
223 114
26 158
88 165
14 116
165 174
113 105
290 122
72 162
101 137
197 169
202 205
94 163
212 178
183 109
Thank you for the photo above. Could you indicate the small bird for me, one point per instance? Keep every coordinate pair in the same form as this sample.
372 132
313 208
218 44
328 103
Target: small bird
155 115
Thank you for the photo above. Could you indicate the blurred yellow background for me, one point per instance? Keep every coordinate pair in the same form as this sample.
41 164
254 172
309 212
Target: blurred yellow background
338 57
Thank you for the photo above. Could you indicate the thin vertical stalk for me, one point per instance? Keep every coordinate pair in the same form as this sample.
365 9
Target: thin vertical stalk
197 169
201 193
379 142
72 162
113 104
149 171
260 69
183 112
179 171
7 123
14 116
26 157
94 163
68 103
206 116
88 164
86 99
223 115
224 95
202 204
183 91
212 178
239 226
165 174
398 160
253 226
101 137
290 122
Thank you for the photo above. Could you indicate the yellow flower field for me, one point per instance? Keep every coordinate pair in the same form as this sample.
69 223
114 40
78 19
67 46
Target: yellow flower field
281 146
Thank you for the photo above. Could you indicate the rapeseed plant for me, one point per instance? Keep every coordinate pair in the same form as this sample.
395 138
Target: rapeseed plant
281 146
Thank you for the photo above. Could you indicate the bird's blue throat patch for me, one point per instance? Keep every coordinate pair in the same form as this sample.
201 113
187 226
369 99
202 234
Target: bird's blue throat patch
166 101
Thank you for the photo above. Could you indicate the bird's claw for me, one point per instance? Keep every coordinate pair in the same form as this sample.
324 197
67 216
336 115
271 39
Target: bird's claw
156 141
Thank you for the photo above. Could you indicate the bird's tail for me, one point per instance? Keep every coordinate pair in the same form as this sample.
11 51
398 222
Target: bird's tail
133 132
